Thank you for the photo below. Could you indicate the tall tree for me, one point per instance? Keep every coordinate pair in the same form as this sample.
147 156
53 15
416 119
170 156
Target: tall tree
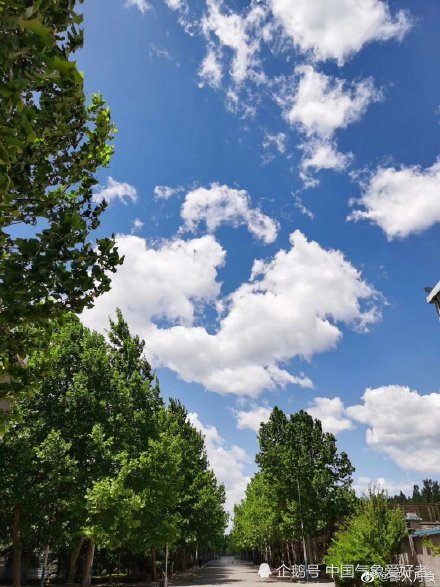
37 477
100 401
51 145
257 520
124 470
201 502
312 481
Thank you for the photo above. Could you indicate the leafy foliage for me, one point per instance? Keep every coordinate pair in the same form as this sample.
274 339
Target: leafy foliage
311 481
52 144
371 535
96 442
257 521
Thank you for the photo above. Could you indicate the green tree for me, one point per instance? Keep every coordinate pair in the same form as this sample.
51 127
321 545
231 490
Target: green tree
257 521
137 508
372 535
430 491
102 402
201 501
416 497
311 480
51 145
129 472
37 477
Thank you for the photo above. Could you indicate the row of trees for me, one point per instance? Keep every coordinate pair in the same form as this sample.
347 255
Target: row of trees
427 494
302 489
300 507
94 456
91 455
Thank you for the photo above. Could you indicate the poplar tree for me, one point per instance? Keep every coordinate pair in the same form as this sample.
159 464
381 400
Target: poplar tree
311 479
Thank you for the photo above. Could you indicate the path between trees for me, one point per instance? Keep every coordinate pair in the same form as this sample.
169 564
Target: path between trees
229 571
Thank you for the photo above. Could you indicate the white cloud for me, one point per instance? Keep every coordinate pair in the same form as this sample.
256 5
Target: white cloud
362 484
321 154
137 225
227 462
164 192
277 140
161 52
332 414
252 418
289 308
273 144
403 424
210 71
338 30
220 204
164 282
141 5
402 201
322 104
239 41
319 106
330 411
115 190
229 30
175 4
299 205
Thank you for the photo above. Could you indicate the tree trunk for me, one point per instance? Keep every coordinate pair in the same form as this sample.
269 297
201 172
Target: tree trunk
153 564
43 571
87 571
73 561
16 544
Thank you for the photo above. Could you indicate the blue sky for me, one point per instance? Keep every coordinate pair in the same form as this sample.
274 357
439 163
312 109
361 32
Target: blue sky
276 191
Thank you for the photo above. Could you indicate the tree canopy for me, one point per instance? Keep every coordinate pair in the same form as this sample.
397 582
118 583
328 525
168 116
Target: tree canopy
311 479
52 144
94 454
372 535
303 486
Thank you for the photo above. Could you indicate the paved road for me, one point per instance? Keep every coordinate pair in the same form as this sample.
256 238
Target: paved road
228 571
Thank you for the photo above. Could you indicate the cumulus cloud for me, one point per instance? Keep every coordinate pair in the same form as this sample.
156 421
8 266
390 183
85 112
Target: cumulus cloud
164 192
239 39
403 424
164 282
402 201
289 308
220 204
332 413
252 419
321 154
322 104
318 107
141 5
227 29
115 190
227 462
338 30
